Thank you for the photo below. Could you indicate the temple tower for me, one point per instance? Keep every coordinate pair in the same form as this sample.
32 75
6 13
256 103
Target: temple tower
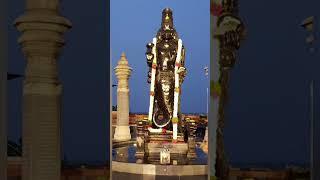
123 72
42 29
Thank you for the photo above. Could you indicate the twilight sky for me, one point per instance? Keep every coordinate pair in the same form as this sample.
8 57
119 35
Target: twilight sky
135 23
268 112
267 116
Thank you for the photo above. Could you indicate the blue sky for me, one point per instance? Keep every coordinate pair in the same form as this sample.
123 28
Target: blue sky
135 23
267 116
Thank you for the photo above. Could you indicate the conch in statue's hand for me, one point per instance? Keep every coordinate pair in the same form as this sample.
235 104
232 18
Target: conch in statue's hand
182 71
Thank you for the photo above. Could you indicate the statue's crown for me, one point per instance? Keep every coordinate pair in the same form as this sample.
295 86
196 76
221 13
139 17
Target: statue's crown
167 19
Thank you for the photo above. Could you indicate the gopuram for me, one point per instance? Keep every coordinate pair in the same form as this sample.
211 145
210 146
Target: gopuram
165 137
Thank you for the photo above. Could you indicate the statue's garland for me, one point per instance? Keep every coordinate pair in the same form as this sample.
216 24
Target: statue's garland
215 89
177 89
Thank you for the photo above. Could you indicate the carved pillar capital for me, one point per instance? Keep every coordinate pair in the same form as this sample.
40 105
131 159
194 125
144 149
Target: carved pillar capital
42 33
230 32
41 41
123 71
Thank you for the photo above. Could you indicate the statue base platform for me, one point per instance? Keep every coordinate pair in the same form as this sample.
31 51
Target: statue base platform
122 170
178 152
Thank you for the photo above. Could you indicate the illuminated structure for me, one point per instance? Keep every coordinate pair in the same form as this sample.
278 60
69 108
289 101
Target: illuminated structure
165 58
227 30
42 29
123 71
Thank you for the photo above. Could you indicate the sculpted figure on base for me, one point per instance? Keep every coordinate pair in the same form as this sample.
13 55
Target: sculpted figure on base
165 58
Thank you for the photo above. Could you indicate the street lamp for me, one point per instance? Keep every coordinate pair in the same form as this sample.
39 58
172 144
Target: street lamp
206 71
308 25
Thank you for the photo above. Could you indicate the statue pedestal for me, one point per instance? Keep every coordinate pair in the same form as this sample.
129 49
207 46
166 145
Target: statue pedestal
122 133
151 144
178 152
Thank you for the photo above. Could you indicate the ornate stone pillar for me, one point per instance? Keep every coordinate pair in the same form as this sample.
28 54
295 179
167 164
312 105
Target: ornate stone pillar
228 33
3 90
42 29
192 127
123 72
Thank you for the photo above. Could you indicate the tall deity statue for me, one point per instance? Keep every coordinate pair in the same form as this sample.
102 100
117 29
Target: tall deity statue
165 58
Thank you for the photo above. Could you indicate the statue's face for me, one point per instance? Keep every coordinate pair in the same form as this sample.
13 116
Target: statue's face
167 19
167 28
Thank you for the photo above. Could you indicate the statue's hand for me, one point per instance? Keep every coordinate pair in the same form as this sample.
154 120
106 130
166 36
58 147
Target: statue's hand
150 45
149 54
182 71
149 57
